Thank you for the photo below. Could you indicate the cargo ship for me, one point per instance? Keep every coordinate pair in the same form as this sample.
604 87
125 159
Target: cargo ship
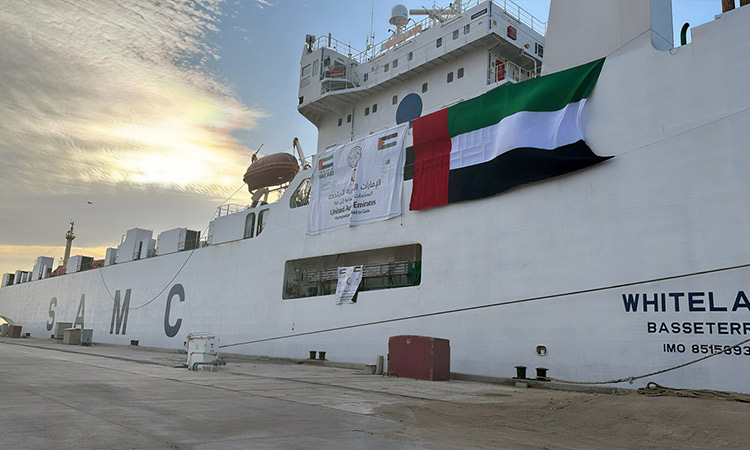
569 196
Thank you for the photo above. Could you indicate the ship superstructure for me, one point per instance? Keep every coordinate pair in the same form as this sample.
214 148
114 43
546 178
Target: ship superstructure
451 54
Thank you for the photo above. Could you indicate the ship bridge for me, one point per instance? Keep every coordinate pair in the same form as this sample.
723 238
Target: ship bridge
346 92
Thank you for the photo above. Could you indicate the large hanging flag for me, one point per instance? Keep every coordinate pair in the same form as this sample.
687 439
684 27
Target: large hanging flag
512 135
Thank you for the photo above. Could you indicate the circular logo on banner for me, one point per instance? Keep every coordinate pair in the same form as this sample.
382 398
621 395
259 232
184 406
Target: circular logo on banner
355 154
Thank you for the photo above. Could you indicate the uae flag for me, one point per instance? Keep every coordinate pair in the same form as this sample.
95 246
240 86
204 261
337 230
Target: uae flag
512 135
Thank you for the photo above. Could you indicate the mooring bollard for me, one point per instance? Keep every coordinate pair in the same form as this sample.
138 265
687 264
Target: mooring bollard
521 372
313 354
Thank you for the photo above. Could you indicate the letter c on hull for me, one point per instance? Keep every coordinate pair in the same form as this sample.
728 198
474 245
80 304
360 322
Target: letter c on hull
171 330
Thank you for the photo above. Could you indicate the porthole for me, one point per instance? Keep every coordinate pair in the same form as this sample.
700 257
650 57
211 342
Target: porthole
541 350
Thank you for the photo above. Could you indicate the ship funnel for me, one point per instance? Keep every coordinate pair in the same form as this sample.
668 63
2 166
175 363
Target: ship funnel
399 16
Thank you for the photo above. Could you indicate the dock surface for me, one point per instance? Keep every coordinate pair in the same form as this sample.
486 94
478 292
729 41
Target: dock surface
118 397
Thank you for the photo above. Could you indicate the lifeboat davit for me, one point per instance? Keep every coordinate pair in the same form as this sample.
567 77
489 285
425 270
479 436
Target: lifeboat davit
271 170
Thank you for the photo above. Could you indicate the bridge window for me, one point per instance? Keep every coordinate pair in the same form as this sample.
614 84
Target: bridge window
349 118
467 28
305 78
386 67
424 88
301 196
249 226
262 218
340 120
410 56
395 63
367 111
374 108
439 43
394 100
455 35
367 75
460 73
450 77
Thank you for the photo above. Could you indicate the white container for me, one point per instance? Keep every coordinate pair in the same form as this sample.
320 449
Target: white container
201 348
72 336
60 329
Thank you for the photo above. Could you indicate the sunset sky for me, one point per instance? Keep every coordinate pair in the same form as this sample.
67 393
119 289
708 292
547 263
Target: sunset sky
143 113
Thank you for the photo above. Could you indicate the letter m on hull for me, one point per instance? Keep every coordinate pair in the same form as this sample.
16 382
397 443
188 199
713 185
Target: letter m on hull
120 315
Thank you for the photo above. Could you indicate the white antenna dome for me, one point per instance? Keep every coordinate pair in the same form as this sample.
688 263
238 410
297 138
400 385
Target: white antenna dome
399 16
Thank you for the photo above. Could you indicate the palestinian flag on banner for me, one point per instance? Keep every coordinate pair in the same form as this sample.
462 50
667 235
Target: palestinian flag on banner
512 135
387 141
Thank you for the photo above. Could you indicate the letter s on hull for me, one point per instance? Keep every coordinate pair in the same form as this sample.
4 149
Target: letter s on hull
51 322
171 330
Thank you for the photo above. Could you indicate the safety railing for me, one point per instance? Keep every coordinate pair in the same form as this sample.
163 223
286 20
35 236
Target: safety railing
374 50
508 71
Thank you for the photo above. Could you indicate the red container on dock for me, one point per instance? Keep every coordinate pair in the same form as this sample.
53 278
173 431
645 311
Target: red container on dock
14 331
421 357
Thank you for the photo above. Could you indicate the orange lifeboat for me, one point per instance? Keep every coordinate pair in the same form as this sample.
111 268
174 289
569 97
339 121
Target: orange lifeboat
271 170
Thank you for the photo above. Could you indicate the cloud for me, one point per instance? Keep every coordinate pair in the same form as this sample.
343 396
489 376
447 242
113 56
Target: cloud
105 92
263 3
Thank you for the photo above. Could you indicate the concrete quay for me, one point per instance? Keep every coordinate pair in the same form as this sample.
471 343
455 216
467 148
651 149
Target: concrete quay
119 397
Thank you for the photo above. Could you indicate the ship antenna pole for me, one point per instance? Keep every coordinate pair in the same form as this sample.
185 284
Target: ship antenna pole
372 32
69 236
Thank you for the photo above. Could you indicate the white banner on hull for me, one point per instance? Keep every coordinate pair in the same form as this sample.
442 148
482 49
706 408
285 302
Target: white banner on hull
358 182
348 283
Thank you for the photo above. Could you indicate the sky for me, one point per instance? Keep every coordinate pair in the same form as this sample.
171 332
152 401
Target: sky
145 113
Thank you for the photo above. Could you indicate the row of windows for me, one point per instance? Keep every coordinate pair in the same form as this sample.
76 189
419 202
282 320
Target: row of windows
394 100
250 228
410 55
459 74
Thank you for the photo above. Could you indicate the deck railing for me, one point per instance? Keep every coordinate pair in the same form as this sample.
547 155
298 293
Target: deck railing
374 50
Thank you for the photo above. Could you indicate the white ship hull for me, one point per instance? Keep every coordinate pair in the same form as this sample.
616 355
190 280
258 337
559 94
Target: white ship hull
557 264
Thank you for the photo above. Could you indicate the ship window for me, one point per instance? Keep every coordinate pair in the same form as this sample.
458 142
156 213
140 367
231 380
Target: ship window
455 35
340 120
366 77
460 73
382 268
395 63
386 67
315 68
374 108
439 43
410 56
367 111
305 78
262 218
394 100
450 77
249 226
424 88
349 118
301 196
467 28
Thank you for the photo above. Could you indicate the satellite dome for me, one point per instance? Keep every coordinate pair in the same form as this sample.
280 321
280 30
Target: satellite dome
399 16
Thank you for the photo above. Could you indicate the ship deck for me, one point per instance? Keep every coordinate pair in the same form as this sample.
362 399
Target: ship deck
109 396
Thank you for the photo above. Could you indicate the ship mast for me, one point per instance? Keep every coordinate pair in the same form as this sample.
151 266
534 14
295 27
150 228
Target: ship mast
69 236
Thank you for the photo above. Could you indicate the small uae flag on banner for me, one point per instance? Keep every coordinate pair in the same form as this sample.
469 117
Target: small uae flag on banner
512 135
